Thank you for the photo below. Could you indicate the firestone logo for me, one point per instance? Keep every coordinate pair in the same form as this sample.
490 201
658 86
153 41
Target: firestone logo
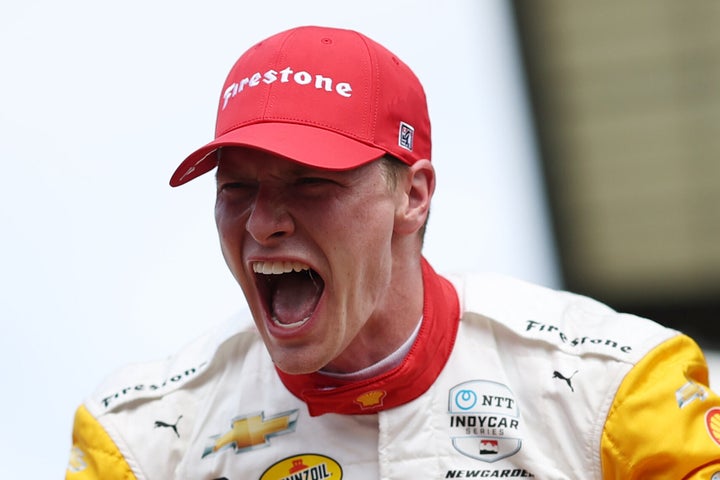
287 75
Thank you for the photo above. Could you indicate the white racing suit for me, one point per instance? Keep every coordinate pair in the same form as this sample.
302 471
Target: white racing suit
505 380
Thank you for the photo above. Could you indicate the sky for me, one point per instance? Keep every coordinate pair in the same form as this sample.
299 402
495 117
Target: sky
104 264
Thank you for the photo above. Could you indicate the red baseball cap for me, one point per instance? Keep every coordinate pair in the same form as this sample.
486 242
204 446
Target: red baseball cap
323 97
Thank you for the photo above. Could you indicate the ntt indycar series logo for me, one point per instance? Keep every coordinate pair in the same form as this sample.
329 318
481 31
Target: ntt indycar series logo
484 420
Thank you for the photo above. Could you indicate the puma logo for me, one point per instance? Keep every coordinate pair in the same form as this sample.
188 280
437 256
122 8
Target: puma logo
159 423
568 380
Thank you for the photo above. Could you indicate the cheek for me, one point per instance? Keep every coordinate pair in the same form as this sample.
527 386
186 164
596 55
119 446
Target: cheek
366 245
229 230
373 225
230 224
221 215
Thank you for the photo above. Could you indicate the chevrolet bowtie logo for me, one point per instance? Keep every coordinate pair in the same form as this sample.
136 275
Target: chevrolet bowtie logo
253 431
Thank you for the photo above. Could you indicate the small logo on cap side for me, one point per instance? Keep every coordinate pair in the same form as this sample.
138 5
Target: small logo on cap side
405 138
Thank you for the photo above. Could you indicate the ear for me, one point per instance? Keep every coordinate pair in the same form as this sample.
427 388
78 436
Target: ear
417 187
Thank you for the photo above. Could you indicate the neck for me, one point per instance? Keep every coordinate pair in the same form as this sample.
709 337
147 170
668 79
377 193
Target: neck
391 325
384 365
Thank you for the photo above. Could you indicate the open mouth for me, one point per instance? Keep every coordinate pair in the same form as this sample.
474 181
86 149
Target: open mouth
291 291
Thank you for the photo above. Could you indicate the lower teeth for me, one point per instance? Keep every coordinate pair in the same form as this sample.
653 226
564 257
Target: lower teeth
289 325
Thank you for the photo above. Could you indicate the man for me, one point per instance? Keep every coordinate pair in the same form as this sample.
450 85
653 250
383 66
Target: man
363 362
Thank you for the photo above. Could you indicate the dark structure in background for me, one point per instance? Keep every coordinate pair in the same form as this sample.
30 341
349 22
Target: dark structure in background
626 99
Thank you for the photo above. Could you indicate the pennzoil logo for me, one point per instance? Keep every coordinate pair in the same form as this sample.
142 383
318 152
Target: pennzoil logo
712 422
252 431
484 420
307 466
371 399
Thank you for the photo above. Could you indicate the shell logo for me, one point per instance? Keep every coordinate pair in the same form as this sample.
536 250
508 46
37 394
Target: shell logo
371 399
307 466
712 422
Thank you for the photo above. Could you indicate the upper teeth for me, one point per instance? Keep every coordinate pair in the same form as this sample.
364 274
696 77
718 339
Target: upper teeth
276 268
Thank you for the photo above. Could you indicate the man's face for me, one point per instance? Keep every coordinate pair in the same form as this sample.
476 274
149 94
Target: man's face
312 251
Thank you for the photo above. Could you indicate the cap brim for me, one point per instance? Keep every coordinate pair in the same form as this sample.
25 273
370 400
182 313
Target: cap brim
314 147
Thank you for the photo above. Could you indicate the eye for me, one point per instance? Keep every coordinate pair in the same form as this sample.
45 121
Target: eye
313 181
234 187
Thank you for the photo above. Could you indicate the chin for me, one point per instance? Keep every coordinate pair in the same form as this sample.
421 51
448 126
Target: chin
295 362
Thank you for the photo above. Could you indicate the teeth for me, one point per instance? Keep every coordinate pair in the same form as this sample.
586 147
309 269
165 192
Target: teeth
290 325
277 268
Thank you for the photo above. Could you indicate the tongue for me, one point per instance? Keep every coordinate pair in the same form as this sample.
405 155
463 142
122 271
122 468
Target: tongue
295 297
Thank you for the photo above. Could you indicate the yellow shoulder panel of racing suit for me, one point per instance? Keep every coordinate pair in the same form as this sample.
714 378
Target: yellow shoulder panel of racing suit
94 456
657 427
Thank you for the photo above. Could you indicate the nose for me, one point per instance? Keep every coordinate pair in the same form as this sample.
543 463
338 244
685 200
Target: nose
269 219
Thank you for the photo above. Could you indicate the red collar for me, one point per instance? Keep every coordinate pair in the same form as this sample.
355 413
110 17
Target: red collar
402 384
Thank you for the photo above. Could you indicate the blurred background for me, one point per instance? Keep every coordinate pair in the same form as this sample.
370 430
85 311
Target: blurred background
626 104
576 147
